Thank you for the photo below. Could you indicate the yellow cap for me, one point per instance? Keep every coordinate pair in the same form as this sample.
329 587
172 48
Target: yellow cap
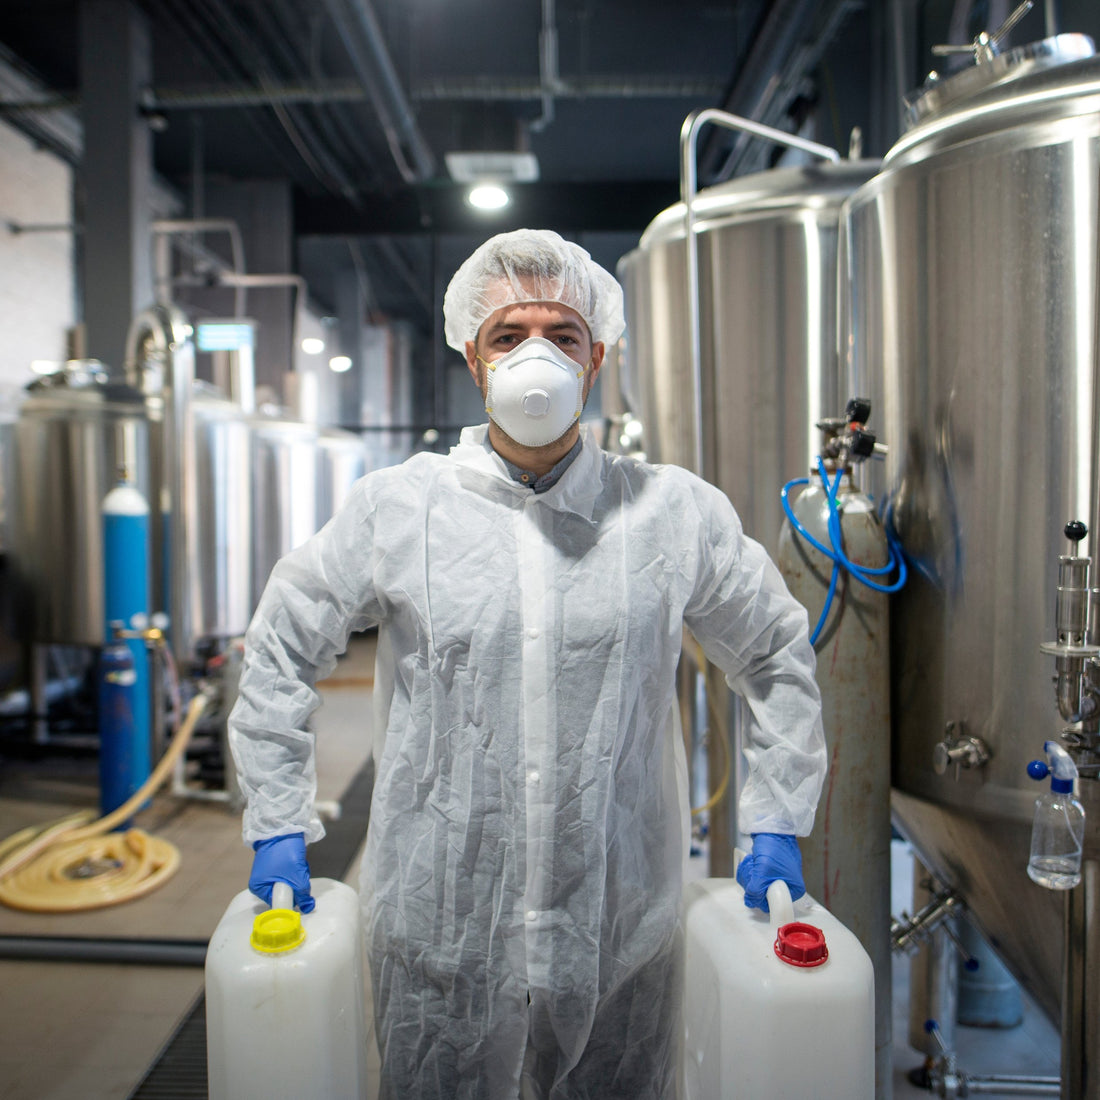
277 930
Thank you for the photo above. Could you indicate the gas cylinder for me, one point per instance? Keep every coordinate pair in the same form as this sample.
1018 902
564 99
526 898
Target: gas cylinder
125 714
846 859
285 997
777 1005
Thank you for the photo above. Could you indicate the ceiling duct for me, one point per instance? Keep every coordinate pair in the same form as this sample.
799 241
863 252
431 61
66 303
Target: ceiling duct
775 66
362 38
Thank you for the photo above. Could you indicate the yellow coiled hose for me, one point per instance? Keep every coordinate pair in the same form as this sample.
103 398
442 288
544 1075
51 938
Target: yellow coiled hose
77 863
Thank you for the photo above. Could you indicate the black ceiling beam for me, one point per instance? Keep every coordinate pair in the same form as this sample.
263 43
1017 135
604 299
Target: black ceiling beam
441 208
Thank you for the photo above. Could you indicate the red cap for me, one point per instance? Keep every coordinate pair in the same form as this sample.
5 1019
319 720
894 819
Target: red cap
801 944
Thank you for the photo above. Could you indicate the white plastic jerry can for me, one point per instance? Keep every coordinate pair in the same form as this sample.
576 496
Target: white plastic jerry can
284 998
776 1007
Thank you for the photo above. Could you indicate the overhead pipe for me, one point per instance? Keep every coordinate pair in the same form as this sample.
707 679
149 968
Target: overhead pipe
362 38
548 67
773 44
189 227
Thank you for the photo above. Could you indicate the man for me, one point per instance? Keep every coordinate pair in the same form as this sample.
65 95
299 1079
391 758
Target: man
529 823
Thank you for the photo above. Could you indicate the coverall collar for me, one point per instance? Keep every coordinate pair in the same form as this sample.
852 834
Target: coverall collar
576 491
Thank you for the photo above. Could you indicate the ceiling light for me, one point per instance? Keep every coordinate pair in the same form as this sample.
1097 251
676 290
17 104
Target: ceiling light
488 196
313 345
339 363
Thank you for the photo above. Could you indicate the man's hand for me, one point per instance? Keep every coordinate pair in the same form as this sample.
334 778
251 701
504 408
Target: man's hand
774 856
281 859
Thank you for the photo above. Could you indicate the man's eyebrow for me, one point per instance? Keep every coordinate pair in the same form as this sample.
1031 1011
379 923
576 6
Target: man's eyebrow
557 326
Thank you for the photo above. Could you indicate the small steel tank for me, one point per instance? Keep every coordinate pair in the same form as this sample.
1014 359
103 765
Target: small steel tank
969 315
76 429
221 592
767 290
284 490
341 462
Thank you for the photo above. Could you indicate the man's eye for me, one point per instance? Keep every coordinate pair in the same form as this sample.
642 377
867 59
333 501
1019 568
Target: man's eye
568 341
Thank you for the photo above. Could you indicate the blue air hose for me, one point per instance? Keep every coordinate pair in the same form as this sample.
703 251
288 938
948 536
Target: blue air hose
862 573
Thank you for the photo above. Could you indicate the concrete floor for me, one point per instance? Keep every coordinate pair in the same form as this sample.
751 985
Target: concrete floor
90 1031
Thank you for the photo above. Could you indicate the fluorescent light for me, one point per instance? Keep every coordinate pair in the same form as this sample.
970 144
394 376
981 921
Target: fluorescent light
488 196
339 363
313 345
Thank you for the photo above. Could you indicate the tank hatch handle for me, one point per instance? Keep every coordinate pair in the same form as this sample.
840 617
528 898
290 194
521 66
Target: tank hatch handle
987 45
958 749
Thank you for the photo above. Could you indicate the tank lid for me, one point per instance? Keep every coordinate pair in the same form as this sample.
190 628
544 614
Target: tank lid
277 930
774 192
801 944
938 93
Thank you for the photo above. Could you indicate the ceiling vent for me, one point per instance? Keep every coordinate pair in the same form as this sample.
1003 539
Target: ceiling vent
498 167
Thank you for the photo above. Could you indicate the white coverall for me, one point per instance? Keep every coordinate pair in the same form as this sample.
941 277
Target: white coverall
521 881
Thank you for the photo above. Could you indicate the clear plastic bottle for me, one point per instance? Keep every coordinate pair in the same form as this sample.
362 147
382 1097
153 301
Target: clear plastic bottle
1058 830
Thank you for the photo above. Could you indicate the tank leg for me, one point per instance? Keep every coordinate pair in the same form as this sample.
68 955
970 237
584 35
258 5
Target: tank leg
1081 989
40 705
933 980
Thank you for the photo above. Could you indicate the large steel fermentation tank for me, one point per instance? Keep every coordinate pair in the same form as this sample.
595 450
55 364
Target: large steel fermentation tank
970 318
767 303
767 251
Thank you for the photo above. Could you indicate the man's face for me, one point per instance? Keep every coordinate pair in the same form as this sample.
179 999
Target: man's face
510 325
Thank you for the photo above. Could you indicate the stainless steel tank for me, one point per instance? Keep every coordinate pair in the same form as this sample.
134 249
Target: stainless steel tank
221 589
767 289
969 308
341 462
284 491
75 429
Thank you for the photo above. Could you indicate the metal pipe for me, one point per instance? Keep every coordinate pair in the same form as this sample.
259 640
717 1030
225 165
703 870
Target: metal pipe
1006 1085
363 39
182 226
163 332
689 136
548 67
1081 988
138 952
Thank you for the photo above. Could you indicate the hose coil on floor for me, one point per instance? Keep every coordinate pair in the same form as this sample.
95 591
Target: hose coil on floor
78 863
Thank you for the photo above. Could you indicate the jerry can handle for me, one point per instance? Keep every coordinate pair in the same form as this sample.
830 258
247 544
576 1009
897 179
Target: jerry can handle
780 906
282 896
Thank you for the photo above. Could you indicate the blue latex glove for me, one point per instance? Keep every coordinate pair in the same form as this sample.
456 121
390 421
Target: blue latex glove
281 859
774 856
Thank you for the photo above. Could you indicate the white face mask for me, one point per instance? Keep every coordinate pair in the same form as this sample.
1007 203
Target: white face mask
535 392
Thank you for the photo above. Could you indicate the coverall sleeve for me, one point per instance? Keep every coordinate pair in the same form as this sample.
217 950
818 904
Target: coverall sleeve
316 597
749 625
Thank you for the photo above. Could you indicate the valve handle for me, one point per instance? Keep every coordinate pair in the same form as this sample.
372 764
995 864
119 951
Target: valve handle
858 410
1075 530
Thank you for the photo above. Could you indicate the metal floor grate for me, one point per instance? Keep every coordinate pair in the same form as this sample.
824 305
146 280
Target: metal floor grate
179 1071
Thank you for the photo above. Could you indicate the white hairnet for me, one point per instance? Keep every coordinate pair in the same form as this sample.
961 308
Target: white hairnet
531 265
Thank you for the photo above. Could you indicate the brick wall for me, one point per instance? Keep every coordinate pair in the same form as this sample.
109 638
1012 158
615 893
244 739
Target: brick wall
37 277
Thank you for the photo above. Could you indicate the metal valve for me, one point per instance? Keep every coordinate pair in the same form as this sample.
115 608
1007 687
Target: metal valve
958 749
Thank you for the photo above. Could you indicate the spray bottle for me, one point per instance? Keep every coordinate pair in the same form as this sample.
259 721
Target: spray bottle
1059 827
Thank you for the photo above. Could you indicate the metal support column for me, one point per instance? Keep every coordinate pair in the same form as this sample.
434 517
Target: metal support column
116 173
